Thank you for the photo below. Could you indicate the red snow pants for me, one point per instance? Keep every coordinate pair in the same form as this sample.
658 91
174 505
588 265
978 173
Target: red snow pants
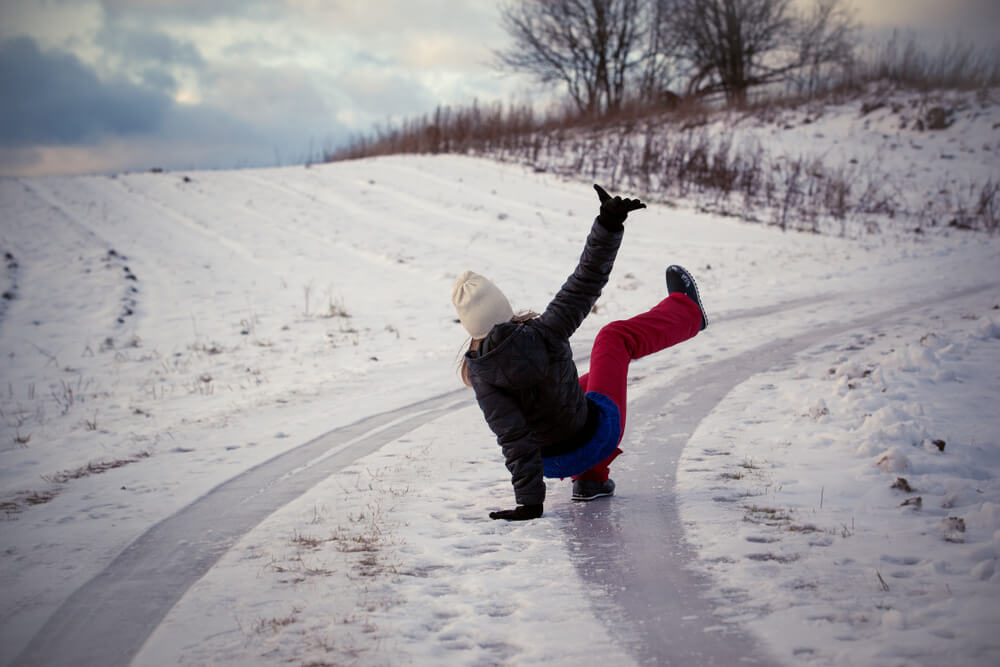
674 320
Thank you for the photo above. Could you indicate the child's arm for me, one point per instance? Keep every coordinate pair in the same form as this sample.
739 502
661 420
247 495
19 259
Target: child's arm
522 454
583 287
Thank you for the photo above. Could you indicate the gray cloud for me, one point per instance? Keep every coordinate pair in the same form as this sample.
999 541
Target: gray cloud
978 20
227 82
159 78
192 10
52 98
254 49
147 45
383 91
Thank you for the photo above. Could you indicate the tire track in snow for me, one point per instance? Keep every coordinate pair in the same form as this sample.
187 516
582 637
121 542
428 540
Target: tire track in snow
478 215
84 231
358 213
154 293
243 210
416 231
632 547
79 283
106 621
187 221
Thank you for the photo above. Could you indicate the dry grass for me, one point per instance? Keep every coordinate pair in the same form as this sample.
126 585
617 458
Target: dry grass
666 157
23 499
94 468
668 152
768 516
273 625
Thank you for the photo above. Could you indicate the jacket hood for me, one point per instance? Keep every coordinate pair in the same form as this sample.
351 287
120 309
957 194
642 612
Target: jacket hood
509 361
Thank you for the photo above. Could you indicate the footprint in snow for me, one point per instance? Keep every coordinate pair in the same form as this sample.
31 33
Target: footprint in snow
496 609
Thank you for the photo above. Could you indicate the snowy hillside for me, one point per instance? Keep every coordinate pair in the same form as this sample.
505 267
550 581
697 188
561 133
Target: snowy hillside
162 334
882 160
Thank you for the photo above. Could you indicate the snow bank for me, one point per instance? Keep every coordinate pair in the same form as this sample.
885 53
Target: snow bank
860 521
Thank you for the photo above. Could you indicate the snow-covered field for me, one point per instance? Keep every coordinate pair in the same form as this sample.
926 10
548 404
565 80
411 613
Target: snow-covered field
846 167
847 503
162 333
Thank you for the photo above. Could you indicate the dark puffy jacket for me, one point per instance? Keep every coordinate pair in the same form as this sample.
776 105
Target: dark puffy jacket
525 378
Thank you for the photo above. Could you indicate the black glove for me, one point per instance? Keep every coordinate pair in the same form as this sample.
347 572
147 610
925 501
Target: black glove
519 513
615 210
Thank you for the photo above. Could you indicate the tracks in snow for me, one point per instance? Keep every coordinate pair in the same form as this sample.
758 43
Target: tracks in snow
632 547
107 620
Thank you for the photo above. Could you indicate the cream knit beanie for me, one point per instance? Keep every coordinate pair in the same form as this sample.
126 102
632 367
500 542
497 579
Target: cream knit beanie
479 303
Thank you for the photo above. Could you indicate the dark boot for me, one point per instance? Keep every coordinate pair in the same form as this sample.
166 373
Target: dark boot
588 489
679 280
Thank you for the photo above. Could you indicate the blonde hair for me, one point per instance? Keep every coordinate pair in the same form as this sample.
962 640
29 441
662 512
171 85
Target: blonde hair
474 344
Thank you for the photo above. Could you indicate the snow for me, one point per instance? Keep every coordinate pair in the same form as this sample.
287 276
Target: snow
854 512
262 308
869 153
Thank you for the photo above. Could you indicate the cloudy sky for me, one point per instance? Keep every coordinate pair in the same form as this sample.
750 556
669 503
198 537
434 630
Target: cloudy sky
105 85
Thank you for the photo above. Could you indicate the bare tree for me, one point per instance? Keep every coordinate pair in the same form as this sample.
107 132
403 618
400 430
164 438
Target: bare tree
661 46
827 35
594 47
733 45
727 39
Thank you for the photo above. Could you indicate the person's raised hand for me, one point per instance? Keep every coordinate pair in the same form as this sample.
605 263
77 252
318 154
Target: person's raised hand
614 210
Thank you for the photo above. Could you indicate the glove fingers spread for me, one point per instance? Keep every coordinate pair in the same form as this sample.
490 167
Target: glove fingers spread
614 210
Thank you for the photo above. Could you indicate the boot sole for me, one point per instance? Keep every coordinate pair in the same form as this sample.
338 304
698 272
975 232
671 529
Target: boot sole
697 294
583 499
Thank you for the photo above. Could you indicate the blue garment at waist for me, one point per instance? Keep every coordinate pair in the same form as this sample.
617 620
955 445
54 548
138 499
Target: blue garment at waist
603 443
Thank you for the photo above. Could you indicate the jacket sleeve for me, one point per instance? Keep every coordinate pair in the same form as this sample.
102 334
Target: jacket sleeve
522 454
580 291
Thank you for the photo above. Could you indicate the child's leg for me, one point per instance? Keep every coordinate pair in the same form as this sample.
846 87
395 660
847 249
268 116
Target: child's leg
674 320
